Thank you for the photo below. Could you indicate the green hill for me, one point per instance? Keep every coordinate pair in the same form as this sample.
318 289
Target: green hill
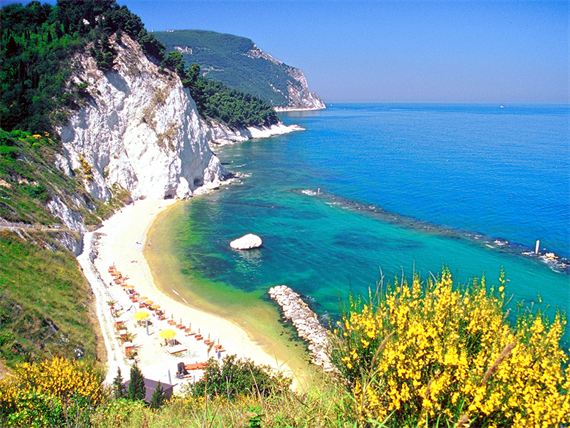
239 63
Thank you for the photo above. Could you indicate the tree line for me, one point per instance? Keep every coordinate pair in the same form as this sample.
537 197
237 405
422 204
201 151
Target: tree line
220 102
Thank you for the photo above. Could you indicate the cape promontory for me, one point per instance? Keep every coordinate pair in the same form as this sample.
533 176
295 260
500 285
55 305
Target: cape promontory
239 63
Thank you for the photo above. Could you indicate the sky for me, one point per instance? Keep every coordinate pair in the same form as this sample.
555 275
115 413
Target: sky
501 51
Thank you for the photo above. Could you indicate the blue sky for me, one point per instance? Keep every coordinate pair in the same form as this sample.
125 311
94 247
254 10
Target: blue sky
499 51
397 51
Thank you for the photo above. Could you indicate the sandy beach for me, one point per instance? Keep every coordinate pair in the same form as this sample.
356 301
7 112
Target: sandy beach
120 243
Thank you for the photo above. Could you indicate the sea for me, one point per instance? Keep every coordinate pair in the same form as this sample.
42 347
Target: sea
371 193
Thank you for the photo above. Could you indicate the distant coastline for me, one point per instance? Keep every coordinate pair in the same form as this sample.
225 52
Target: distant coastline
291 109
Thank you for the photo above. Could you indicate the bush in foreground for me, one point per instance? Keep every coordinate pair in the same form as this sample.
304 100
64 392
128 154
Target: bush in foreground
433 354
234 377
53 393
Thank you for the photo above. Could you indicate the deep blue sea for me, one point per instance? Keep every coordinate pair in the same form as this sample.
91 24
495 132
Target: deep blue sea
367 189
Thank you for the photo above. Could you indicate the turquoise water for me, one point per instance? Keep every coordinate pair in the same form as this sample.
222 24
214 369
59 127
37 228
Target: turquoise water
403 188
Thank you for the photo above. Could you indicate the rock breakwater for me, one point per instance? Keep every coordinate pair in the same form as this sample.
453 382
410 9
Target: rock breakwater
306 323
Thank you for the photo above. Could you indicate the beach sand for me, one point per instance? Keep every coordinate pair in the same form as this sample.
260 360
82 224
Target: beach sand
120 242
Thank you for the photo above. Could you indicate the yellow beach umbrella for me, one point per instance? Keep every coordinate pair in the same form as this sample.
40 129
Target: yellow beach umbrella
167 334
141 315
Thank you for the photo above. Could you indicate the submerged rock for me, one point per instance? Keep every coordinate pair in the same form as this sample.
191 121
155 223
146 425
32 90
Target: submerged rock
246 242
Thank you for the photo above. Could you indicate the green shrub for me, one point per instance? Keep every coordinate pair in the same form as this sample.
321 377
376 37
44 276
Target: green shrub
235 377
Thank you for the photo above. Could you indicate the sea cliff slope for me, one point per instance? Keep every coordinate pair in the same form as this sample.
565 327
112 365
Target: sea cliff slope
139 129
239 63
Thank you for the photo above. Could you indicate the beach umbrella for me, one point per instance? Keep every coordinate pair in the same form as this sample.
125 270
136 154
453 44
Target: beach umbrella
141 315
155 306
167 334
143 298
148 302
130 287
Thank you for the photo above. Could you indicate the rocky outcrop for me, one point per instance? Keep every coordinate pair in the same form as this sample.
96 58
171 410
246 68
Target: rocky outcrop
306 323
246 242
139 129
220 134
298 95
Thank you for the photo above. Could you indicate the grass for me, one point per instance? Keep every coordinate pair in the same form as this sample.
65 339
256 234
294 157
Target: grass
323 405
46 305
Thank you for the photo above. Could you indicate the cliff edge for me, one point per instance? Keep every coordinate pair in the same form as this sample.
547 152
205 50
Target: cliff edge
138 129
238 63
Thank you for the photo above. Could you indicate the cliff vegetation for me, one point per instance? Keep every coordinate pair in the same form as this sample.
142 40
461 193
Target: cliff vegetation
217 101
238 63
38 43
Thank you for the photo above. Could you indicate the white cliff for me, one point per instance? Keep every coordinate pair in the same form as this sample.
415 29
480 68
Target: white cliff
298 95
139 129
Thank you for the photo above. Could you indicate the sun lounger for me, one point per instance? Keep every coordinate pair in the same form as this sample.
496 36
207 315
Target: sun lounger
176 349
196 366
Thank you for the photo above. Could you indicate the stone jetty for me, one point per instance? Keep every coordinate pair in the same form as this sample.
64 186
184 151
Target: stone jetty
306 323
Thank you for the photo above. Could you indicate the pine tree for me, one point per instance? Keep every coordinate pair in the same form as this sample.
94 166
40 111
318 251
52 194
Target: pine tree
137 389
118 386
158 398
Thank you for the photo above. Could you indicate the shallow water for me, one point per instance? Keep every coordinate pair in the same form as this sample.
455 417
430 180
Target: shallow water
403 189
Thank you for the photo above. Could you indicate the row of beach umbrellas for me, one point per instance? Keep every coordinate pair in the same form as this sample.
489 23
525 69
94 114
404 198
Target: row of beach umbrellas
144 315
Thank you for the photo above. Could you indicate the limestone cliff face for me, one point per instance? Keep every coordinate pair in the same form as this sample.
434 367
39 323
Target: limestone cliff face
139 129
298 94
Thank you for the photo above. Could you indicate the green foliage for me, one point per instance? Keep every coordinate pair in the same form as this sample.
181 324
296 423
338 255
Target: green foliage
223 57
37 43
175 62
44 302
119 390
137 389
236 109
158 398
34 409
235 377
103 53
29 179
52 393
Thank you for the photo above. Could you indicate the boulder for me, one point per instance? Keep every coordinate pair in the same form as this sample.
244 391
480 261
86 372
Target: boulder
246 242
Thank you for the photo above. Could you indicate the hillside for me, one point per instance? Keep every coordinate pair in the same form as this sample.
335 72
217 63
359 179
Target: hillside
239 63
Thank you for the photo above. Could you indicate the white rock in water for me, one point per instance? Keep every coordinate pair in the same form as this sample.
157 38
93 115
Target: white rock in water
246 242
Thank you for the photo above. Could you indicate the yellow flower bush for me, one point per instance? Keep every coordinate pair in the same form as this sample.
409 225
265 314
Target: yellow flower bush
435 354
40 394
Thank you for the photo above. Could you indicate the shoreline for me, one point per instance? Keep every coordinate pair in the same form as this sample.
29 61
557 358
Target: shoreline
120 242
223 135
